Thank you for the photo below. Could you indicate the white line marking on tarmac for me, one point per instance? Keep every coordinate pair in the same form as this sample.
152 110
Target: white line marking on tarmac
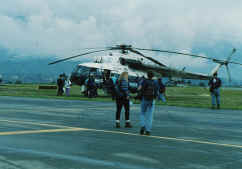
137 157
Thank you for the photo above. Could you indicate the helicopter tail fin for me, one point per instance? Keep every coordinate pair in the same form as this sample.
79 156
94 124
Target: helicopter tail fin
220 63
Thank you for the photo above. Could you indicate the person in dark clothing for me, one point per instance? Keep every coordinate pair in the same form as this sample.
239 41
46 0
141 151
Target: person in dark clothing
60 84
149 90
109 85
91 87
214 88
122 99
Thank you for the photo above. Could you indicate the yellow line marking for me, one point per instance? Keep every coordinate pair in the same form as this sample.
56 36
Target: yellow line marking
119 132
170 138
39 131
34 123
67 128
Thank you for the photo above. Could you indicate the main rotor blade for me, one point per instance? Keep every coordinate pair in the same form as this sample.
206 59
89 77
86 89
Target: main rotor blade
149 58
230 56
93 48
228 73
235 62
61 60
181 53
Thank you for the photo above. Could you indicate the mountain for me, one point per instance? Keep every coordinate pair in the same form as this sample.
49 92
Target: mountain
33 70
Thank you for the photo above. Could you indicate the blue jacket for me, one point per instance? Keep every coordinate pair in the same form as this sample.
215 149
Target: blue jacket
123 87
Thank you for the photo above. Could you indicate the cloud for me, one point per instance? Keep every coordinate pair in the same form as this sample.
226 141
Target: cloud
61 27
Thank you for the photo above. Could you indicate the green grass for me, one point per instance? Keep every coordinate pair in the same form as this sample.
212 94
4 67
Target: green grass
176 96
32 90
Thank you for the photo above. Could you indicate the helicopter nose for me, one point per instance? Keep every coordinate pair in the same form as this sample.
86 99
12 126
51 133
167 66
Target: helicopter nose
79 80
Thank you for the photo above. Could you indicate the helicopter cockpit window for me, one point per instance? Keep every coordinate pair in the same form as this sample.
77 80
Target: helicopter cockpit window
92 71
82 70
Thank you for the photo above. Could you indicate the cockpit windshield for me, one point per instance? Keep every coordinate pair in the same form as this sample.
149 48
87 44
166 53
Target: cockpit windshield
86 71
81 70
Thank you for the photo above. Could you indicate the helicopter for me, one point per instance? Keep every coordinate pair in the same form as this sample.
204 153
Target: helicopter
137 65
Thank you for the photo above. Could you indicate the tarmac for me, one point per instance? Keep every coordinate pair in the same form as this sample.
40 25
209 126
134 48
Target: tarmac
64 134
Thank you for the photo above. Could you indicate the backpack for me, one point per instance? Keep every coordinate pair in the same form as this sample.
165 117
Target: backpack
149 90
118 93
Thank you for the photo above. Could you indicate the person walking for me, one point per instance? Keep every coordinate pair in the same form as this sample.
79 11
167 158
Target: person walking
214 88
149 91
122 99
161 91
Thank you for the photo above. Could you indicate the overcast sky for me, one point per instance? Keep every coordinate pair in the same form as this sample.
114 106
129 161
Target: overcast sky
62 27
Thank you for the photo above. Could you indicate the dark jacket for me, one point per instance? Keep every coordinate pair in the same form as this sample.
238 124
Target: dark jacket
91 84
214 83
60 82
149 89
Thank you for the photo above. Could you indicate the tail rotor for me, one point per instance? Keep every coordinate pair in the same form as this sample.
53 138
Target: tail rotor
225 63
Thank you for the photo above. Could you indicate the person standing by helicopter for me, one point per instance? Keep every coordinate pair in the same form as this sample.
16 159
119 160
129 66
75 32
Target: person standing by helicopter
67 86
60 84
122 99
149 91
91 86
214 86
